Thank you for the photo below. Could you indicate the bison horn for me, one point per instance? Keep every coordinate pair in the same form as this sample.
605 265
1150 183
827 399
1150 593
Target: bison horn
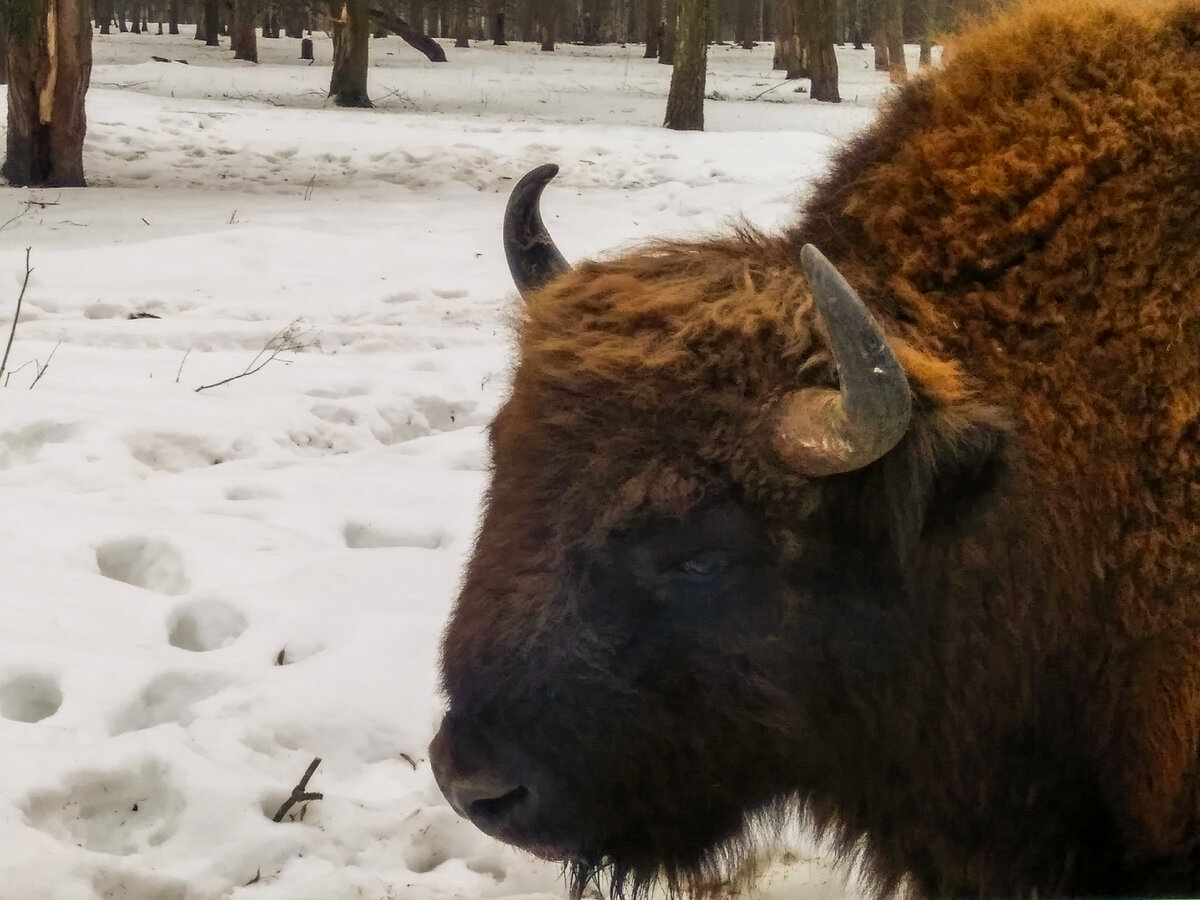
823 431
532 257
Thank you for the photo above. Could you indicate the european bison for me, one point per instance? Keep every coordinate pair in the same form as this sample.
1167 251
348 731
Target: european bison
930 575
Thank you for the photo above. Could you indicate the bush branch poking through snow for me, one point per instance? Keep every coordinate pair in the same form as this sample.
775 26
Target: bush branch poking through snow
12 332
289 339
300 794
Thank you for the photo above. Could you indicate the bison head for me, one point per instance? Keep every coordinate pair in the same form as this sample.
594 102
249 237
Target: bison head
684 585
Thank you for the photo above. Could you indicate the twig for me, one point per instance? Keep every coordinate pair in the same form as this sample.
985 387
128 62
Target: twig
181 362
12 332
772 87
308 190
286 340
299 794
42 369
25 365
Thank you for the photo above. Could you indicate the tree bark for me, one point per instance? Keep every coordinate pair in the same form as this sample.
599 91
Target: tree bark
897 67
653 28
351 33
666 48
462 24
821 24
787 41
879 34
432 49
925 11
547 22
244 38
685 100
49 66
212 23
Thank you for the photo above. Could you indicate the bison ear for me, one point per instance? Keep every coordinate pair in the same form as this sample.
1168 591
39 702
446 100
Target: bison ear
949 463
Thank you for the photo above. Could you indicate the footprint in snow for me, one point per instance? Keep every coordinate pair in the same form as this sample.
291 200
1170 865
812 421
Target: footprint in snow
143 562
30 697
202 625
168 699
119 813
374 535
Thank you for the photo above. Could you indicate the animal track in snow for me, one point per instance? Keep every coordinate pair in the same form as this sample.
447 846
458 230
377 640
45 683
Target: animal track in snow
201 625
251 492
125 883
23 445
168 698
145 563
167 452
119 813
372 535
30 697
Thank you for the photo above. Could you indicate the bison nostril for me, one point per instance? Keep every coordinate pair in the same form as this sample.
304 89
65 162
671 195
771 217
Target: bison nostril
497 809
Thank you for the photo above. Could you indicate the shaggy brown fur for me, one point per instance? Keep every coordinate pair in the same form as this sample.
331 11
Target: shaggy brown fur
1026 225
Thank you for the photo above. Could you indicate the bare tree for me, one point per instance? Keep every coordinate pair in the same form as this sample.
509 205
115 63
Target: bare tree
821 26
894 18
666 48
351 33
877 28
49 65
653 10
243 36
788 55
685 100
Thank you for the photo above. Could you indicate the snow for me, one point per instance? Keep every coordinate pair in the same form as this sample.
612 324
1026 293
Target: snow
205 590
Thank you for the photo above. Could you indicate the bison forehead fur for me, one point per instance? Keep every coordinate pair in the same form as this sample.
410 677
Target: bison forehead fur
976 658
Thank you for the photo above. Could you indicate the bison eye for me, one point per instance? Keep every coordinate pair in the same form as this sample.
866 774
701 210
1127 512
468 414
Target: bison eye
702 568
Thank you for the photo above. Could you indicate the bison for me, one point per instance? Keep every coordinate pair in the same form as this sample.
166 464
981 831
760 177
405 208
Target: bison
904 539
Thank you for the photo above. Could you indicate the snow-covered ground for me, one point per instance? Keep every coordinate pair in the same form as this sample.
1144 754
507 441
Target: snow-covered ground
205 590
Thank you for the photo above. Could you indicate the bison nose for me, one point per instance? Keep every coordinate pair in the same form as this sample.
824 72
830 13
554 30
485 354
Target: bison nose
486 800
477 787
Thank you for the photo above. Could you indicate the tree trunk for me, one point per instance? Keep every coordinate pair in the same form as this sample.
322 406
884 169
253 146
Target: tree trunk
925 11
462 24
201 25
787 42
49 65
653 28
685 101
854 21
499 40
172 16
547 20
212 23
897 67
743 27
244 39
666 47
879 34
351 37
821 25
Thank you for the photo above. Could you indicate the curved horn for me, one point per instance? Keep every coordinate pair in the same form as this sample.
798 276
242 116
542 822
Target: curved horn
822 431
532 257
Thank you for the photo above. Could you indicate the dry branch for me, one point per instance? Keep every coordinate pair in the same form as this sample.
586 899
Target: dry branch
12 332
287 340
300 794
